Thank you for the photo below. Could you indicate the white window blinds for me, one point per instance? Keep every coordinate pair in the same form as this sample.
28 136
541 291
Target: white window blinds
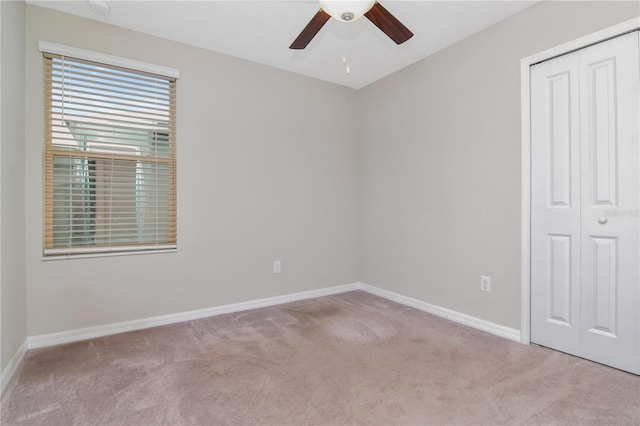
110 158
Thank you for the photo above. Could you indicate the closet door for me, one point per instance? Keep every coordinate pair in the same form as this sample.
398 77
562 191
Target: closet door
585 186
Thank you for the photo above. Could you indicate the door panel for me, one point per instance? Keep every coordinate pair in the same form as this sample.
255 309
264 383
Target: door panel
555 215
559 98
601 125
610 229
605 287
559 282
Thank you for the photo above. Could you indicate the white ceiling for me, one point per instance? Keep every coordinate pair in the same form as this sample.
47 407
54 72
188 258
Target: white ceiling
262 30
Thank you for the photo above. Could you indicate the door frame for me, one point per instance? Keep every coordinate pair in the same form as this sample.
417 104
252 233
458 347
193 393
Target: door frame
525 137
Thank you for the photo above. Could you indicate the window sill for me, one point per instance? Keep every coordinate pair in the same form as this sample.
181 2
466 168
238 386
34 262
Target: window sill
68 256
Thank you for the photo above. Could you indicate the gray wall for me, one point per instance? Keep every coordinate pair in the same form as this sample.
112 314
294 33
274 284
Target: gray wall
12 186
440 144
267 170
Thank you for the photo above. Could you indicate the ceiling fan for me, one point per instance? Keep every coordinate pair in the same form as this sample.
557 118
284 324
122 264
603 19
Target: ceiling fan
347 11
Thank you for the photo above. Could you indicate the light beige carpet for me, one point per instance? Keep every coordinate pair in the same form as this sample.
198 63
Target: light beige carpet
349 359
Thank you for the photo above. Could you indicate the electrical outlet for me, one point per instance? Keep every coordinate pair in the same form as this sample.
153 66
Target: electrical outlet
485 283
277 267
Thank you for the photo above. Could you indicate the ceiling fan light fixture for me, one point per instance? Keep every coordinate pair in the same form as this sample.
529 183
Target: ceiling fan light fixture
346 11
99 7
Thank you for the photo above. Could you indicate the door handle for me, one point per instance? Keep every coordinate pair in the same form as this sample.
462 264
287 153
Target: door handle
602 220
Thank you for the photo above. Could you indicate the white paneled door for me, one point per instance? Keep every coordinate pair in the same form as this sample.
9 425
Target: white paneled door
585 203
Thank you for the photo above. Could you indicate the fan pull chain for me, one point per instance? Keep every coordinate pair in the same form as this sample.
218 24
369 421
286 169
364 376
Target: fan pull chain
345 54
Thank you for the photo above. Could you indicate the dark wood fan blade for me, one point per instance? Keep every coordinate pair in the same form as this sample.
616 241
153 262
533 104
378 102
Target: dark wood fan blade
310 31
388 23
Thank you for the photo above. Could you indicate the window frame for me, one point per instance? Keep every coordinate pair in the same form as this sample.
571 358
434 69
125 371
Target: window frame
49 153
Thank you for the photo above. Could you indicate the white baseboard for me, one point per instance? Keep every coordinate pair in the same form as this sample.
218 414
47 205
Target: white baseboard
12 367
489 327
44 340
52 339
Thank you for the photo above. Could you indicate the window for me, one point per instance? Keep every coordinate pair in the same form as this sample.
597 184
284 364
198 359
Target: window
110 158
